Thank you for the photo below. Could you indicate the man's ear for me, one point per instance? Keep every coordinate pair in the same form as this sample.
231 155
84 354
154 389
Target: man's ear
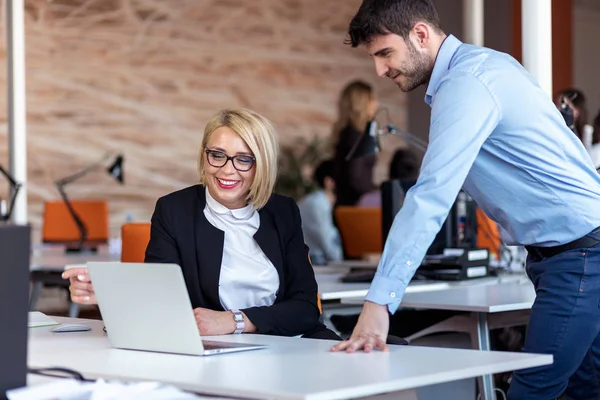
422 34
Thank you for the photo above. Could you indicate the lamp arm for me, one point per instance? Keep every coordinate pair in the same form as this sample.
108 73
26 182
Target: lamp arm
11 204
7 175
77 175
415 141
394 130
78 221
15 191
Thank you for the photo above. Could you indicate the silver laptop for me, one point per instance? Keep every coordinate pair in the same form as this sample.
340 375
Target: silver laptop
146 307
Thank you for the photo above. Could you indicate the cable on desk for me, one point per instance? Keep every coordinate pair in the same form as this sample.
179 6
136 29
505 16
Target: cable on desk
58 372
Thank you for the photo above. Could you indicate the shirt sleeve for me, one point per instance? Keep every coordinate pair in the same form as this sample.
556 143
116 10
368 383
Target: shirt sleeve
464 113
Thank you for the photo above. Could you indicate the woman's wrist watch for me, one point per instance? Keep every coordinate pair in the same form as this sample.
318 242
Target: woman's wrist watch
238 317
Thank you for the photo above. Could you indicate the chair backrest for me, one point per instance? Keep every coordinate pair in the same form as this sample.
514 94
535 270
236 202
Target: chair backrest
488 235
59 226
134 240
360 230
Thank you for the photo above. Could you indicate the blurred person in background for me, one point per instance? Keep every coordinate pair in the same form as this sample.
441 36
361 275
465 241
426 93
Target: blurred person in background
356 107
316 210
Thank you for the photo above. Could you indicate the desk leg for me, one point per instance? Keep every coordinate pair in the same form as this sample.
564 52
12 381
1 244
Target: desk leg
483 341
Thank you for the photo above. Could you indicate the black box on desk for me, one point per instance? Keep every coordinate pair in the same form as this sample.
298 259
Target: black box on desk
456 264
15 244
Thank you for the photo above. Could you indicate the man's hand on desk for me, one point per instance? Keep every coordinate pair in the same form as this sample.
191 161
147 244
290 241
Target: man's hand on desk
370 331
82 291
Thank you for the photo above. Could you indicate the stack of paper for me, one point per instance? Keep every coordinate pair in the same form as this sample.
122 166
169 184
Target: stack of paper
37 319
68 389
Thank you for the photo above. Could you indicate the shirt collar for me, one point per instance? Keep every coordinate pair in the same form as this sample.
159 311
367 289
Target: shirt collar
218 208
442 64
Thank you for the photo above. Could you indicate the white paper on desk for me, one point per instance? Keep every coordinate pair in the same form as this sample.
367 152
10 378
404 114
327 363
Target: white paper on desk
62 389
144 390
36 319
68 389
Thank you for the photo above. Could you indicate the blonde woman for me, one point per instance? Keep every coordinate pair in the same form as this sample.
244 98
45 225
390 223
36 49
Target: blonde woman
356 107
240 247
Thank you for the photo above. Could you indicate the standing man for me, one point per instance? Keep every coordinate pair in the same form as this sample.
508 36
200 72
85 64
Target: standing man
497 134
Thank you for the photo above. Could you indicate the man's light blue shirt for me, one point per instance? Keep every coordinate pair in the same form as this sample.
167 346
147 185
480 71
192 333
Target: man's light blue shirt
496 134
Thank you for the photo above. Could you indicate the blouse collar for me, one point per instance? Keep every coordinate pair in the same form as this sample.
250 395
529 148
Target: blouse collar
243 213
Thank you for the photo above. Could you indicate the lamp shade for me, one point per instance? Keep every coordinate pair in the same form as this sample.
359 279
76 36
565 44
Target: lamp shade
116 169
367 144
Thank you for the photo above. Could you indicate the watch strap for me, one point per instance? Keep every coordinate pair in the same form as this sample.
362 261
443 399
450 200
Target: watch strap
238 317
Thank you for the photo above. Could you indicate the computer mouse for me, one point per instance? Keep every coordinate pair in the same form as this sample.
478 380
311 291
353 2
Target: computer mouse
71 328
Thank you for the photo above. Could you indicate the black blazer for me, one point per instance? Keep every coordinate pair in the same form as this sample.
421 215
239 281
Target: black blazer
355 177
181 234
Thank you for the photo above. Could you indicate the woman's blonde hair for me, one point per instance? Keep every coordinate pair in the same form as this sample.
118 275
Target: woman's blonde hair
353 108
259 135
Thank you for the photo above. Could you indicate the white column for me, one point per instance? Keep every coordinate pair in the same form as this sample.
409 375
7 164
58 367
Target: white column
473 25
17 138
537 41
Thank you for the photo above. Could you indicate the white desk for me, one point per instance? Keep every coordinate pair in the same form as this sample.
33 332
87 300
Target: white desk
54 258
331 288
47 264
291 368
491 306
476 298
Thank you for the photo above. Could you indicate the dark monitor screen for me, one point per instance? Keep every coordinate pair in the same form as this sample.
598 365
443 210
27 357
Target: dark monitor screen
14 304
458 230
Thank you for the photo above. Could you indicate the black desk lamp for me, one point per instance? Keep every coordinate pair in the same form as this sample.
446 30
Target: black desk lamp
115 170
14 189
369 142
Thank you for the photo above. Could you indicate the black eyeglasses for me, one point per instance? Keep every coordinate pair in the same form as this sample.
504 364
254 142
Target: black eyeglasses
218 159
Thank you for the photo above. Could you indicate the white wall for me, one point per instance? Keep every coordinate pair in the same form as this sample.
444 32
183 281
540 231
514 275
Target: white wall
586 52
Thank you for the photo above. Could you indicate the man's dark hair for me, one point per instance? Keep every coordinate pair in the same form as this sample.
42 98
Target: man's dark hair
324 170
380 17
578 100
404 165
576 96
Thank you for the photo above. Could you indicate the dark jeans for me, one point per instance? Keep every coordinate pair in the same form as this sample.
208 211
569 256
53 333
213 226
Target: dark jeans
565 322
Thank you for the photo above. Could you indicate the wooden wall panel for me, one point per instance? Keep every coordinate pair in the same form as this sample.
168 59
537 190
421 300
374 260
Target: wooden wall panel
142 76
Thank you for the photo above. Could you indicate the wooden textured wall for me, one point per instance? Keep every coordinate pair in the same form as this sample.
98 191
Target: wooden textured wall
141 77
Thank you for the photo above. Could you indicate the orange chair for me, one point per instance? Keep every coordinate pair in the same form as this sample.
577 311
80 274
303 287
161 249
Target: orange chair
59 226
488 235
134 240
360 230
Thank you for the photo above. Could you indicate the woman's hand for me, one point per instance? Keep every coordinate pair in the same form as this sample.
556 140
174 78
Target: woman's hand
81 288
218 322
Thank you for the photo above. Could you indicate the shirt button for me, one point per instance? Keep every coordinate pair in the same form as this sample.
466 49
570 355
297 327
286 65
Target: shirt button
392 294
409 263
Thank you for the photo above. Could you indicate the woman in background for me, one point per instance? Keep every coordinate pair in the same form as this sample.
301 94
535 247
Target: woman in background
240 247
356 107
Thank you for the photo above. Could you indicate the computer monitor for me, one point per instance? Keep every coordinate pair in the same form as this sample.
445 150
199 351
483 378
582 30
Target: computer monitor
14 303
459 230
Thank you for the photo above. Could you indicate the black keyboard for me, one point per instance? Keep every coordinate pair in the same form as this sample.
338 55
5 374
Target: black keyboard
359 275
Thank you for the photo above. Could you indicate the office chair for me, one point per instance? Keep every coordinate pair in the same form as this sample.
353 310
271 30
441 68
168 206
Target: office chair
134 240
59 227
360 230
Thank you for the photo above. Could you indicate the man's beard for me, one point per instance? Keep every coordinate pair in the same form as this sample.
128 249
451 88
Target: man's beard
416 72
